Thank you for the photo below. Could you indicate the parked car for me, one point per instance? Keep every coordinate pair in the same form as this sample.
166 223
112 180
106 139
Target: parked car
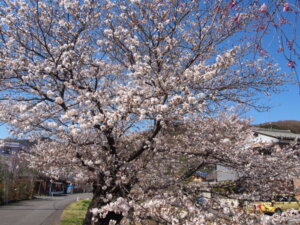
278 204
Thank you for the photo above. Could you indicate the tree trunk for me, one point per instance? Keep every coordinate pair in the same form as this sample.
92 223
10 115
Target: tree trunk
100 221
97 202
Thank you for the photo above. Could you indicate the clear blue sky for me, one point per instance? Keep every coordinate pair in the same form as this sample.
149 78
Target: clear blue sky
285 106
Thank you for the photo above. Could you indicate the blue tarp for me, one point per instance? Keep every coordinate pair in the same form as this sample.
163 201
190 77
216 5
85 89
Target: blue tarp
201 174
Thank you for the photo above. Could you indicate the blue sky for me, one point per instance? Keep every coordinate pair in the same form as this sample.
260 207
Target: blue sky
3 132
284 106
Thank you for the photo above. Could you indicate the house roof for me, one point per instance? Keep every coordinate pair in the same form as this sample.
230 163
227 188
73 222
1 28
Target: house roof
276 133
16 143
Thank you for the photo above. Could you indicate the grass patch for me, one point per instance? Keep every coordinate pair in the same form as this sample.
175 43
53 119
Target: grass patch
74 214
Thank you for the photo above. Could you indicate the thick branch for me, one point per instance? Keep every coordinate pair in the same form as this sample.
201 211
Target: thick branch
136 154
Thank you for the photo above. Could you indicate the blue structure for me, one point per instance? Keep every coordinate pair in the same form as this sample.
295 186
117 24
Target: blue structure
70 189
201 174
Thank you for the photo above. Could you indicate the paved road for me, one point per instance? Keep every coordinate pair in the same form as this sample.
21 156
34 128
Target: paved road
41 211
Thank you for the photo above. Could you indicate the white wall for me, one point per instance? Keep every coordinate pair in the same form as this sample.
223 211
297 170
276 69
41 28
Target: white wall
264 139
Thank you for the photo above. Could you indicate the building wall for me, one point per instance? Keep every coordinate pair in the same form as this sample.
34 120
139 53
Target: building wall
11 147
264 139
226 173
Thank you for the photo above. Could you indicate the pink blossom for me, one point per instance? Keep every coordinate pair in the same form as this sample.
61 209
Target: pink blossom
232 4
286 7
291 64
283 21
263 8
263 52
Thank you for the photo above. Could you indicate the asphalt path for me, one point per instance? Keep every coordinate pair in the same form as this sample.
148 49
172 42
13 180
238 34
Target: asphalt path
44 210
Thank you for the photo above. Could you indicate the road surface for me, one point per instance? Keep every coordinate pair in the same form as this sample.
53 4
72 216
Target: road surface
41 211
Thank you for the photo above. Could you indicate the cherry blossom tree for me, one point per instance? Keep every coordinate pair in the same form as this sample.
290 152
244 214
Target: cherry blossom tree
101 85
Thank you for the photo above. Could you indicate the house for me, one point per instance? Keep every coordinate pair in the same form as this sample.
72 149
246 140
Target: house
272 136
18 166
40 184
17 180
221 173
263 138
47 186
10 147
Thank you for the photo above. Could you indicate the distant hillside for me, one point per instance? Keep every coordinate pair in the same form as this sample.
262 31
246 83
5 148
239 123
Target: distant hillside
292 125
